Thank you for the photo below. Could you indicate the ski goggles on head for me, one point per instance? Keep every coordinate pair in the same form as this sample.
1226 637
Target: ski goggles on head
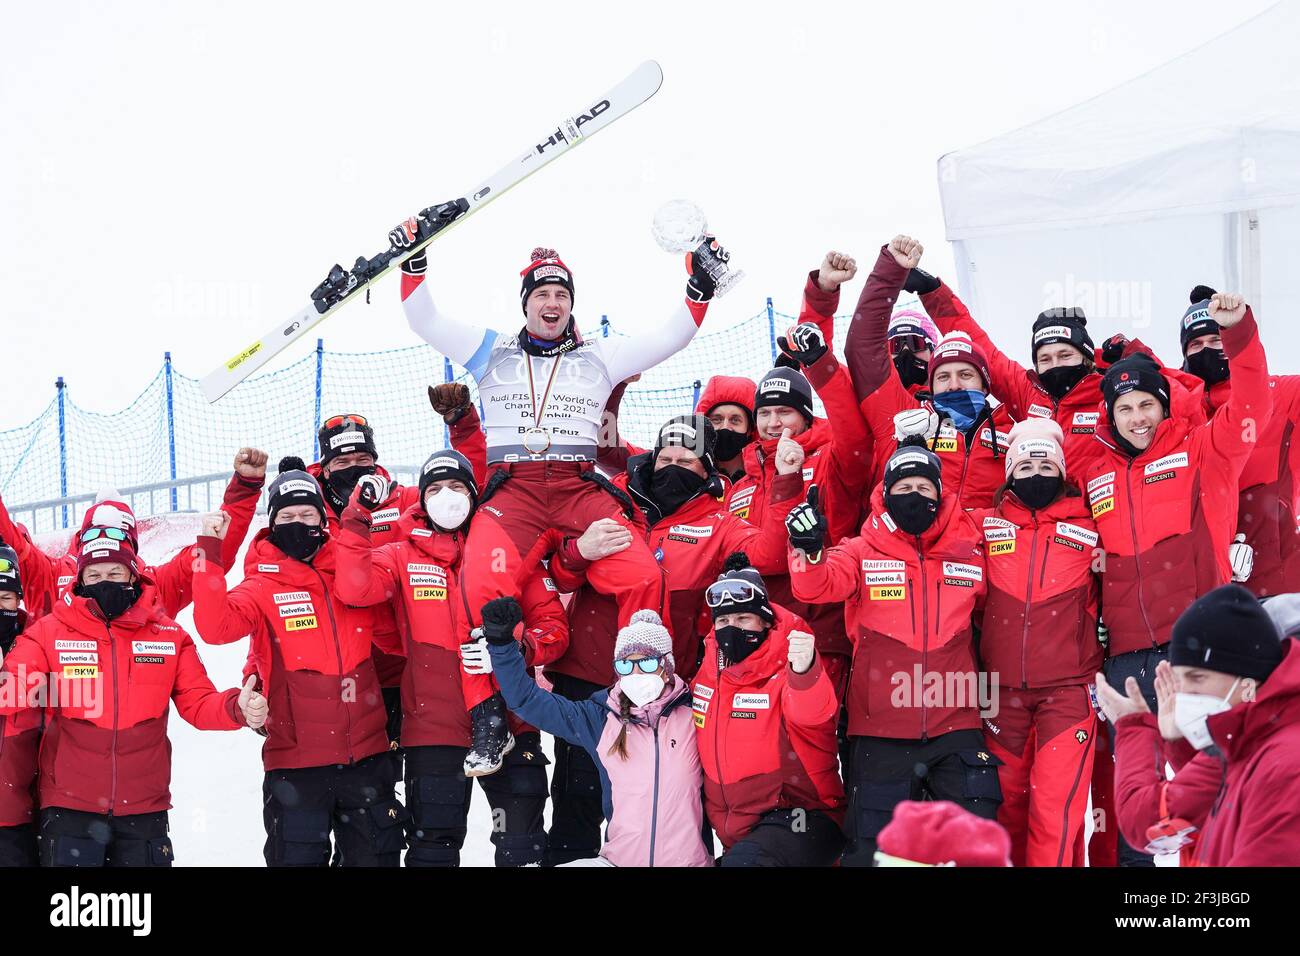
7 566
647 665
913 343
91 534
722 593
338 420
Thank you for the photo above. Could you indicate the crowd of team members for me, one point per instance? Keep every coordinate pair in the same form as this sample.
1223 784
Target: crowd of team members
859 638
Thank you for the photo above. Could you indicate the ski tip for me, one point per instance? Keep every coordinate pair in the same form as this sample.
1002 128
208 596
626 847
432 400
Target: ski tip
653 72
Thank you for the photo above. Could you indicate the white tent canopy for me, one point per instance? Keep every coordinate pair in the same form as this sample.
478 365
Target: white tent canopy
1189 174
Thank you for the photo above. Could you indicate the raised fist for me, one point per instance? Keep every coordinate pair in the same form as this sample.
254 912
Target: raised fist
806 526
500 616
800 654
1227 308
450 400
250 463
906 251
836 269
372 491
214 525
803 343
916 421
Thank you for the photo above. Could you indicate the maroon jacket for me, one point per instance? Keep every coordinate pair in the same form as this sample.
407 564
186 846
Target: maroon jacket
1039 623
312 653
1254 819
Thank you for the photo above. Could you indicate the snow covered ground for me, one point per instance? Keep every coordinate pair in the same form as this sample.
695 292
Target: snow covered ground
216 818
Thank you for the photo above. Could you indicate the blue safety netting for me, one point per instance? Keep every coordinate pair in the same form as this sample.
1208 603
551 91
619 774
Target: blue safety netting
170 432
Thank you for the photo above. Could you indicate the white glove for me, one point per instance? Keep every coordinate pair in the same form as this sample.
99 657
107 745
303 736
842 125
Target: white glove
372 491
801 651
474 657
1242 558
915 421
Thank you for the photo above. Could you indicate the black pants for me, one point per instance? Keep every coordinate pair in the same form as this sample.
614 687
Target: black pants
302 807
788 838
438 794
78 838
1140 665
18 846
576 808
883 772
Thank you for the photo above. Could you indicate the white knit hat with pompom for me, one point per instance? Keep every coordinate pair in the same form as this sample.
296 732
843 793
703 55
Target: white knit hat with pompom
645 634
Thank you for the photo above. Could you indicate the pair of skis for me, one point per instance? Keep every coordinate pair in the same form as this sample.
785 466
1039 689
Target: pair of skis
342 286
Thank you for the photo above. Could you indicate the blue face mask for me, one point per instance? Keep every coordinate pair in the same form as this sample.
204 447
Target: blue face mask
963 406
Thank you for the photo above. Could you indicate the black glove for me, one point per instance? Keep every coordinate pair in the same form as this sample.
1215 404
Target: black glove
500 616
919 282
1112 350
806 525
450 400
372 491
700 287
804 344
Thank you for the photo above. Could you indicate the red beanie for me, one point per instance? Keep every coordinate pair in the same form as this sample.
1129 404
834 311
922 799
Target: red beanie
958 347
940 833
105 550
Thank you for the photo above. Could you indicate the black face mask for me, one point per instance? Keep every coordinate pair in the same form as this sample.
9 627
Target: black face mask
1037 491
10 627
729 444
672 486
913 511
1059 379
736 643
114 598
1209 365
911 370
299 541
341 483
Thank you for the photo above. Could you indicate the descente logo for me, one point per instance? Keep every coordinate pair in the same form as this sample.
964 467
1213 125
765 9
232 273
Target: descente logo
76 909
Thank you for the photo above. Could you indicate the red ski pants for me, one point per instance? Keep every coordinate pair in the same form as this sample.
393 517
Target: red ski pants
1046 739
514 529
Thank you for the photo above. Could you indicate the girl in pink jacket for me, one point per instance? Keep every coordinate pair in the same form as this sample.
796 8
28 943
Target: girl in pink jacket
640 734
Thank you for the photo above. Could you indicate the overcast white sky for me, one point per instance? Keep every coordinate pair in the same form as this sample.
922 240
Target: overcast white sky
179 176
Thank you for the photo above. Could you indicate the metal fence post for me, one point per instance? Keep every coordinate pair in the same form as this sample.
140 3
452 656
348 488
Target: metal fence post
63 449
171 425
448 375
696 403
771 328
604 326
315 428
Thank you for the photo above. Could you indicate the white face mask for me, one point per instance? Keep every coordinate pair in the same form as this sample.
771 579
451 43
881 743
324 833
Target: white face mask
447 508
641 688
1191 711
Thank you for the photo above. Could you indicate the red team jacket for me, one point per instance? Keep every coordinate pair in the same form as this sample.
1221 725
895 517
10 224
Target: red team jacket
691 545
312 653
1247 805
836 460
20 741
110 687
1040 614
418 576
1269 499
1166 517
46 578
908 605
766 734
468 438
1018 388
